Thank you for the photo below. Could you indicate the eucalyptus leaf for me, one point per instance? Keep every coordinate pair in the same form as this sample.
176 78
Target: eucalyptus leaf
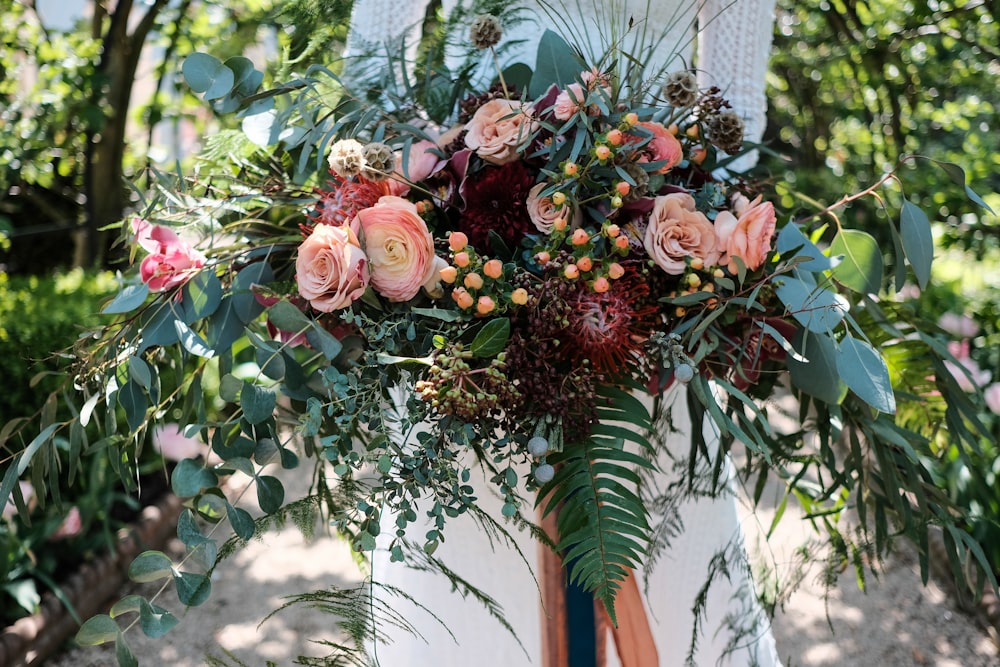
791 238
123 654
150 566
287 317
865 372
556 65
97 630
917 240
244 302
130 298
127 605
156 327
201 295
957 175
155 621
862 265
192 342
324 341
207 74
818 376
257 402
241 521
192 589
190 477
815 308
270 493
134 401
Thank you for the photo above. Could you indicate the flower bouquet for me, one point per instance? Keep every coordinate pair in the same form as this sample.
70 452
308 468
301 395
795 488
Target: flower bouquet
488 272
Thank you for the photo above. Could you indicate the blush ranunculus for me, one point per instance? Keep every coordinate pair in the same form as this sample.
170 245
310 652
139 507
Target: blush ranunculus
169 440
992 396
171 262
331 269
663 146
498 128
678 230
71 526
544 213
27 493
748 236
399 246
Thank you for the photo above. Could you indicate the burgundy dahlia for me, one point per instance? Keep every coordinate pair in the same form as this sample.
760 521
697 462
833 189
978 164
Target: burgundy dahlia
495 201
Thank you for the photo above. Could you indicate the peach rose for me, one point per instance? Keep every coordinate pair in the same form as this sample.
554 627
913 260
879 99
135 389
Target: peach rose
569 101
543 212
677 230
400 248
498 128
331 269
662 147
171 262
747 237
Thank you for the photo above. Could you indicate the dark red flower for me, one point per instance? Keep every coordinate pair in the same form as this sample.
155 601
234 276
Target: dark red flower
758 348
495 201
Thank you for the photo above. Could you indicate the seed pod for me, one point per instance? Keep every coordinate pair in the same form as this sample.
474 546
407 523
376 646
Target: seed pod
485 31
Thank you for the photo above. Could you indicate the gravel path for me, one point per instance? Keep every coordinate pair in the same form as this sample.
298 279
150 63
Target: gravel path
898 623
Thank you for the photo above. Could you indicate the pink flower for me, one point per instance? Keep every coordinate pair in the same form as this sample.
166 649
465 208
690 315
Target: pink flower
27 493
70 526
992 396
169 440
498 128
422 160
967 374
662 147
331 269
543 212
400 248
171 262
569 101
960 326
677 230
747 237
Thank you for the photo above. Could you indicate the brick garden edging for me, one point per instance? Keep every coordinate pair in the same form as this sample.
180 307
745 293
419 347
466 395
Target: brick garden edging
30 640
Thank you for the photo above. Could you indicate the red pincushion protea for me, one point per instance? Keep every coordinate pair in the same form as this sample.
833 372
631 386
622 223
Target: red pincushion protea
345 197
495 200
610 328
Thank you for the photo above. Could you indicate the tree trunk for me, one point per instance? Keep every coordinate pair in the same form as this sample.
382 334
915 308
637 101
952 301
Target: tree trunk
104 186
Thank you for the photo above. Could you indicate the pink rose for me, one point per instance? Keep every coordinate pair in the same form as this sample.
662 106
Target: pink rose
677 230
960 326
27 493
169 440
331 269
569 101
543 212
70 526
992 396
421 161
662 147
171 262
498 128
400 248
747 237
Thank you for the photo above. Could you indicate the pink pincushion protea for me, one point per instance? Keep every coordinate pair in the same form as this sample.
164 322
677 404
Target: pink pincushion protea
171 262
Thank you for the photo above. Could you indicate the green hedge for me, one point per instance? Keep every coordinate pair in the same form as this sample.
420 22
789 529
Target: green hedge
41 316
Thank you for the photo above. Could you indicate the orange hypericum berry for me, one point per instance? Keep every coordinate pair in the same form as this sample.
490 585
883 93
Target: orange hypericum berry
421 208
708 287
585 263
558 198
616 271
697 264
621 242
680 311
623 188
615 137
462 259
602 152
449 274
571 271
612 230
712 303
457 241
485 305
692 131
601 285
462 298
580 236
719 273
519 296
699 155
673 129
473 280
559 224
571 169
493 268
616 202
693 281
543 257
631 119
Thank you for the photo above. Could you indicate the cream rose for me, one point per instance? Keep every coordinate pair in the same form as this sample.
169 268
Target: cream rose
748 236
399 246
498 128
678 230
543 212
331 268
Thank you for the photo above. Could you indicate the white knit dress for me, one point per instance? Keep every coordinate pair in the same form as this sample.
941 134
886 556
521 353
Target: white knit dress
733 43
